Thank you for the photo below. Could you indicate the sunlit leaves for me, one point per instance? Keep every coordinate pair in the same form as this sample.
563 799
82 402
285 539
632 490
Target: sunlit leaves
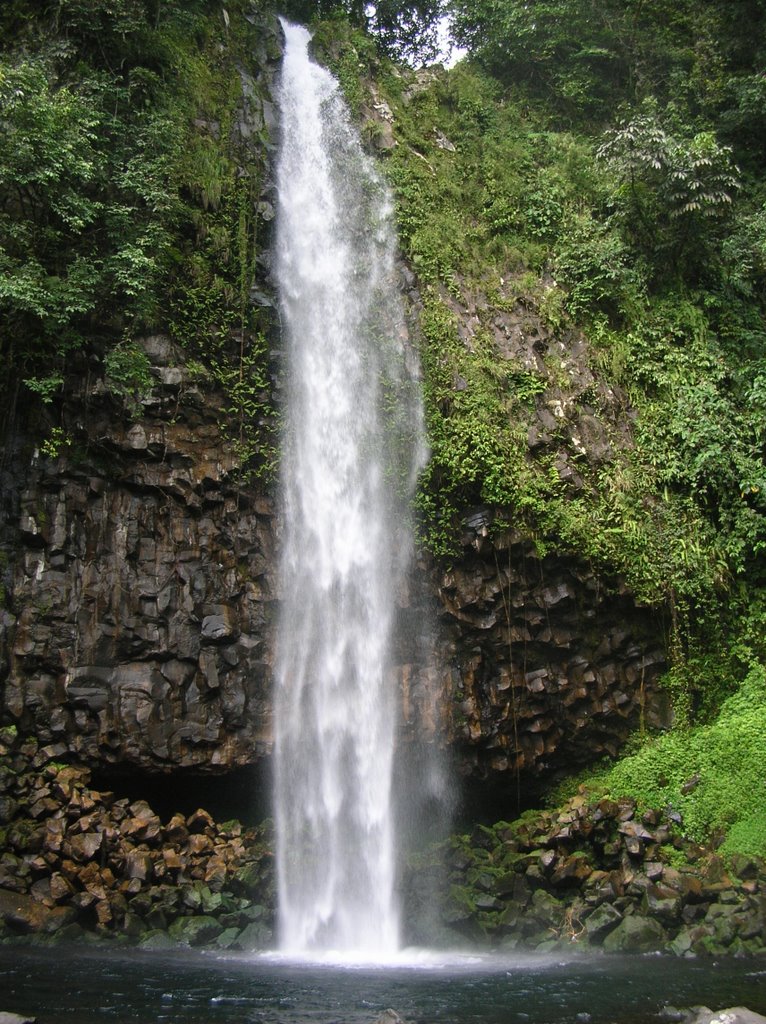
670 189
687 175
86 203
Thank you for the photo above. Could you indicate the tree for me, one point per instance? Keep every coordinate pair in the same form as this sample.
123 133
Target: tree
672 191
587 56
403 29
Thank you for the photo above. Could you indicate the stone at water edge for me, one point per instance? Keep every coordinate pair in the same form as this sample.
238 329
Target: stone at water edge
16 1018
635 934
25 914
732 1015
392 1017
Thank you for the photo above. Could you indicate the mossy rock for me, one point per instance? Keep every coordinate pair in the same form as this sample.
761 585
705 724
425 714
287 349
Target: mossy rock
545 910
636 934
194 931
227 938
249 879
255 936
460 905
604 919
156 940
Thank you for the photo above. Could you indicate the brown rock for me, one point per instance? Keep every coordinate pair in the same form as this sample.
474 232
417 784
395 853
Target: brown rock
199 844
61 889
138 864
215 873
25 914
104 914
176 830
173 860
200 821
84 846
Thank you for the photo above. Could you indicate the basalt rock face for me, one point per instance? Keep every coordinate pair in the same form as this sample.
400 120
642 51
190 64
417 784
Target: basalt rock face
141 584
552 666
139 571
144 600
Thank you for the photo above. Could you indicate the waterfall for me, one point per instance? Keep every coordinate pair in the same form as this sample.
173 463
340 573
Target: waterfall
353 444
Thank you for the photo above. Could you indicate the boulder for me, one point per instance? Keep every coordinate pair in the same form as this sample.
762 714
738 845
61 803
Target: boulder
255 935
732 1015
636 934
24 914
603 920
194 931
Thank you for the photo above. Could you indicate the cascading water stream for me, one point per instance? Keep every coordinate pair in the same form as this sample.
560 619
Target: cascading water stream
353 445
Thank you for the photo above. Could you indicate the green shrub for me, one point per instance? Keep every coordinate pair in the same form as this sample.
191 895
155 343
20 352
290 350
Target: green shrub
721 767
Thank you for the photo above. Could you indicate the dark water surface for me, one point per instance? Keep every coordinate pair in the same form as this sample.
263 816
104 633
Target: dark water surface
84 986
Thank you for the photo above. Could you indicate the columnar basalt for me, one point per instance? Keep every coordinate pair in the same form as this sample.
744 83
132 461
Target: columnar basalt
144 600
552 664
141 588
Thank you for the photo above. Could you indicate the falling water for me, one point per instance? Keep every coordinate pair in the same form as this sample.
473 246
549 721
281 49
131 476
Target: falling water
353 446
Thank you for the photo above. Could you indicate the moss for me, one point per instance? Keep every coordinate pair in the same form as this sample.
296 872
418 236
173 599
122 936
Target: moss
712 775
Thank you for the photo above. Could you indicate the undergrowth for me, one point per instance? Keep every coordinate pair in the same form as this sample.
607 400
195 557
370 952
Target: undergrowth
713 776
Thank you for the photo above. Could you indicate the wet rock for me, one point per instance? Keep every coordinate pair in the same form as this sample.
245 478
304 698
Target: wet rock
636 935
732 1015
84 847
194 931
158 940
216 628
602 921
256 935
24 914
662 904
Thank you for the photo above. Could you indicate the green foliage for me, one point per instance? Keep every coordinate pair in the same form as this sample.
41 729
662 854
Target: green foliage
669 190
406 30
128 373
647 236
128 197
45 387
586 57
250 419
474 452
524 192
46 169
597 268
713 775
56 440
86 203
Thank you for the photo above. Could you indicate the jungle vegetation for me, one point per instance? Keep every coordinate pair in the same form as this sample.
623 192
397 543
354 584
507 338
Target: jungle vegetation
601 160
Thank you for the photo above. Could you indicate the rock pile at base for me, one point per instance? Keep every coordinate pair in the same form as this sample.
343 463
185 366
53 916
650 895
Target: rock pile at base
599 874
76 861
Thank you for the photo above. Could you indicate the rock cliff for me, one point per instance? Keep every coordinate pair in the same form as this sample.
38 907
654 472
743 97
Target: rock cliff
141 584
140 572
142 595
552 664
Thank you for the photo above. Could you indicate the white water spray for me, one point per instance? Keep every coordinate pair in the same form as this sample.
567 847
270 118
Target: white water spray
352 448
